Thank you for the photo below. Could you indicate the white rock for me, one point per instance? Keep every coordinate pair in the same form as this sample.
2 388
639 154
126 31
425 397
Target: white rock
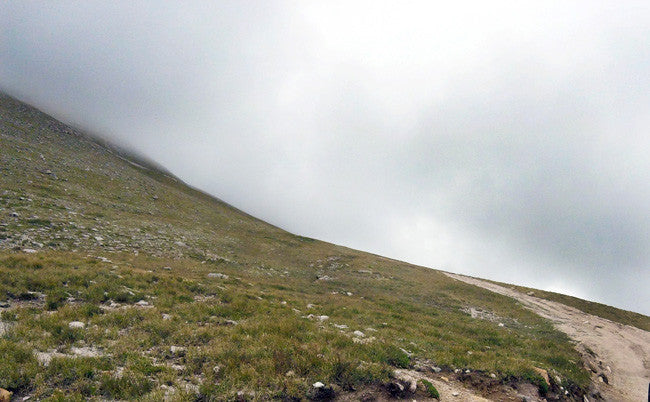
142 303
29 250
76 324
178 350
501 324
318 384
166 317
217 275
323 317
455 393
359 334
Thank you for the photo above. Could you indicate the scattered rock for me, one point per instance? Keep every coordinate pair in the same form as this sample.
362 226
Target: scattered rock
166 317
455 393
178 351
323 317
217 275
320 392
143 303
542 373
359 334
76 324
167 268
5 396
29 250
86 351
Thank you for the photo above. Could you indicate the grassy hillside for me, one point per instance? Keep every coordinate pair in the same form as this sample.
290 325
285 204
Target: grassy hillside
119 281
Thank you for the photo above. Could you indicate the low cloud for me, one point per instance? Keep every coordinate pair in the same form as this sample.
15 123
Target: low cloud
506 140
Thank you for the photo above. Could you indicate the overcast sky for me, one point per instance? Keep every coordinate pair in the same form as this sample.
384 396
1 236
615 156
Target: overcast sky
506 140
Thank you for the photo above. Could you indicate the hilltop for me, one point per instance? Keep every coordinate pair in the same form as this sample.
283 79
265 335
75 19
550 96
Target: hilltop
119 281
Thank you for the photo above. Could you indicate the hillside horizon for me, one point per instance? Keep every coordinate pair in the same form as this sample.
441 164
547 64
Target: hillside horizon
136 156
119 281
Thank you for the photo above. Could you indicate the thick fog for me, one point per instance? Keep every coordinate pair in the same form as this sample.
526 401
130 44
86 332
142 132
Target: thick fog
506 140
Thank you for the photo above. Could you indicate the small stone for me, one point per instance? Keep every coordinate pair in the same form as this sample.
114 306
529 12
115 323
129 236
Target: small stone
359 334
323 317
166 317
5 396
290 373
436 369
167 268
29 250
318 385
76 324
544 374
455 393
142 303
178 351
15 214
217 275
501 324
4 304
493 375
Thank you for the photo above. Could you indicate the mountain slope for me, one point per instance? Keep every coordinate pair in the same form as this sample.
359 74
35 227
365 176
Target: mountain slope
119 281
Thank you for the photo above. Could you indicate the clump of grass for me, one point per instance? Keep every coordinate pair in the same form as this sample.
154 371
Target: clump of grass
430 389
19 366
128 385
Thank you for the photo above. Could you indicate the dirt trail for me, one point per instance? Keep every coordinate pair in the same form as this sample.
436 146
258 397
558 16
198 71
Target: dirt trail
621 353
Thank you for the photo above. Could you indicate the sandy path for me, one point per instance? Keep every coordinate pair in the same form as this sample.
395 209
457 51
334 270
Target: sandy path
622 348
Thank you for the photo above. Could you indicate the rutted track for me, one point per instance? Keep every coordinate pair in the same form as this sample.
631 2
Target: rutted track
621 353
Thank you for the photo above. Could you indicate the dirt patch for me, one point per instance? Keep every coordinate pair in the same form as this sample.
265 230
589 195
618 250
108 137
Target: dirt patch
617 355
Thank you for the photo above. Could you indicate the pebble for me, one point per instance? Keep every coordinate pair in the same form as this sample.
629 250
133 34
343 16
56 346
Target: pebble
318 384
76 324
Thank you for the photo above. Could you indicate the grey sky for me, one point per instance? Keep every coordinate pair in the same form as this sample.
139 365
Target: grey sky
506 140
